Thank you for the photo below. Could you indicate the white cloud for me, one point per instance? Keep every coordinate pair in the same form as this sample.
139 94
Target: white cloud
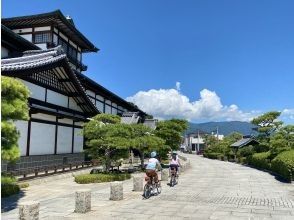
178 86
288 115
168 103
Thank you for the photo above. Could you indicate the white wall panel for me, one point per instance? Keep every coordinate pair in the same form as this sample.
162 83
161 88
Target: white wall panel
37 92
91 93
107 109
23 30
42 46
46 28
57 98
65 121
73 105
108 102
44 117
22 127
4 52
28 37
99 97
42 139
100 105
64 140
78 140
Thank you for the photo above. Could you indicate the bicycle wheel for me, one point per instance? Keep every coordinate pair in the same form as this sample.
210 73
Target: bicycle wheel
158 188
147 191
172 180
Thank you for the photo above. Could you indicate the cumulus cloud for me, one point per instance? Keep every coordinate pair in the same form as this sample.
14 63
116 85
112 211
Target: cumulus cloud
168 103
288 115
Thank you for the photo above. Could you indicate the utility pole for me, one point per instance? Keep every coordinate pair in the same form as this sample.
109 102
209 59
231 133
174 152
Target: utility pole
198 143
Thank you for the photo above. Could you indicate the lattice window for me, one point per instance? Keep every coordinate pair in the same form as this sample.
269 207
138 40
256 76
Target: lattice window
48 78
42 38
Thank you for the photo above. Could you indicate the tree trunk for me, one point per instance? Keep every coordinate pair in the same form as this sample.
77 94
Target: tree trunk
107 160
142 159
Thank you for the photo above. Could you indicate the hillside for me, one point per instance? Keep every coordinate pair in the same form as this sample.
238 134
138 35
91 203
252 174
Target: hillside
224 128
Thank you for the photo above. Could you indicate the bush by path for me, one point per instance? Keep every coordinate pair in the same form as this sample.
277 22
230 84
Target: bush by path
8 186
260 160
101 177
283 165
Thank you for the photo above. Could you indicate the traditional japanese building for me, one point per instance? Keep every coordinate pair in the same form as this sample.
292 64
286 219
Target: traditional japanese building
45 51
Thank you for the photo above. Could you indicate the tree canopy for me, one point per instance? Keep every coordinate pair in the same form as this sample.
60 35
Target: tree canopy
171 131
267 123
14 107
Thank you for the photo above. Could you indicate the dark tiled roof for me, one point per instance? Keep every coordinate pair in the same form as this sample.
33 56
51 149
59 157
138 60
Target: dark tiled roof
244 142
52 59
16 40
56 18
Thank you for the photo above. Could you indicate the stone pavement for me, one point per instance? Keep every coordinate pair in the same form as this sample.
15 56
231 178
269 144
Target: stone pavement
211 189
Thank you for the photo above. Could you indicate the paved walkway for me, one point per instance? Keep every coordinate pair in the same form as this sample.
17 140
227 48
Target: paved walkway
211 189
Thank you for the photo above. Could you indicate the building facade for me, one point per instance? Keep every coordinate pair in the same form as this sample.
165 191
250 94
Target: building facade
45 51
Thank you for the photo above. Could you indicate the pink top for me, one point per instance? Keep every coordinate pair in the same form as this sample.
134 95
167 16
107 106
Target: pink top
174 162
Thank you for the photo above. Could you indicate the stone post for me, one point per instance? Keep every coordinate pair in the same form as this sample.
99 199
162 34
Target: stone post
138 183
116 191
83 201
29 210
164 174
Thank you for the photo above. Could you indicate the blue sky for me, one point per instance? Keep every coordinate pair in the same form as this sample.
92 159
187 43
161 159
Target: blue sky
232 59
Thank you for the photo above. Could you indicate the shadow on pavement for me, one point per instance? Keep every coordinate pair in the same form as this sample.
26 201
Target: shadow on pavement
11 202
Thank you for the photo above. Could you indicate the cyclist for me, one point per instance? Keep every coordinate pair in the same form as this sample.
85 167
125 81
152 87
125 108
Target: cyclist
175 162
153 163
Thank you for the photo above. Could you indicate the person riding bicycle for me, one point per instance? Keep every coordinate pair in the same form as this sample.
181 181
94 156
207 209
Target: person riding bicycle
153 163
175 162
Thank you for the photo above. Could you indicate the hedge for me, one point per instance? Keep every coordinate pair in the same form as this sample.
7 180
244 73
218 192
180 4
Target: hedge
101 177
8 186
283 164
213 155
260 160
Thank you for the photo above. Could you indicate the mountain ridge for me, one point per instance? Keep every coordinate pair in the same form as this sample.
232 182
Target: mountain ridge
225 127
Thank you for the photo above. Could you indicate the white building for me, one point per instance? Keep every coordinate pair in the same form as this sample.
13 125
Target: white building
45 51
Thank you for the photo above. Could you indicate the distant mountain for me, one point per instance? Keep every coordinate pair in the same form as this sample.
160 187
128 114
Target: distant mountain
224 128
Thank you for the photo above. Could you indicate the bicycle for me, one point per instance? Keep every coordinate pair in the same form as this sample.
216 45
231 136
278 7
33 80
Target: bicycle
151 188
174 178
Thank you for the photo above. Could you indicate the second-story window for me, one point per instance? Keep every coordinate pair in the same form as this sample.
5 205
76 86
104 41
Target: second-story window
72 53
63 45
42 38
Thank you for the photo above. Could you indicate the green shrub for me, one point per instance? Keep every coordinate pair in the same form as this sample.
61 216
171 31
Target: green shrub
23 185
283 165
245 151
212 155
260 160
8 186
101 177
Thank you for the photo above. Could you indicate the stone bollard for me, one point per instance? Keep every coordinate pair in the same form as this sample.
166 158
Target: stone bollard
116 191
164 174
138 183
29 210
83 201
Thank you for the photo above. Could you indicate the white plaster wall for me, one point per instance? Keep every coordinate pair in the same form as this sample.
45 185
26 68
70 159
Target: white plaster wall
79 123
100 105
4 52
108 102
91 93
56 98
28 37
73 105
99 97
72 44
63 36
42 139
22 127
42 46
23 30
107 109
44 117
65 121
46 28
78 140
114 111
64 140
37 92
